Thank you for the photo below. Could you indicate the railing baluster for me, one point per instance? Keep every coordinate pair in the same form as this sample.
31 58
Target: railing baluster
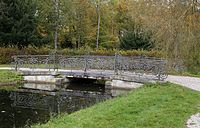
86 63
116 65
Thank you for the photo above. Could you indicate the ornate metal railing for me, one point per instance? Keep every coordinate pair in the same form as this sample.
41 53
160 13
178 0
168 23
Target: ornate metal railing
116 64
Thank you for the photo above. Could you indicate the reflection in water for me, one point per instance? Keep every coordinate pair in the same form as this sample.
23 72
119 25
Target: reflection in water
14 117
25 107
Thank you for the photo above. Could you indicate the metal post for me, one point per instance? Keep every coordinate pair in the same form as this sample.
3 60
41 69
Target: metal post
86 63
54 60
16 63
16 66
159 74
116 66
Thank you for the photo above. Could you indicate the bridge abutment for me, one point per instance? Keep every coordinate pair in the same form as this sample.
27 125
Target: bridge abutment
45 82
49 79
121 84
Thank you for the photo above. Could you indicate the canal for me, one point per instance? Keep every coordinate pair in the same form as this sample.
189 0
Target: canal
25 107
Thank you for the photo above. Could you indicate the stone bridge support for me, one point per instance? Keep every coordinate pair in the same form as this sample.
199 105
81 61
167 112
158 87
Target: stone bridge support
121 84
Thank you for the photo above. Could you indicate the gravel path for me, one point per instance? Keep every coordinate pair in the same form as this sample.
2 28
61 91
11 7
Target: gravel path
189 82
194 121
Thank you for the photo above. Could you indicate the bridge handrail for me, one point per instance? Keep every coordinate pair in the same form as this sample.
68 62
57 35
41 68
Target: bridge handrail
118 63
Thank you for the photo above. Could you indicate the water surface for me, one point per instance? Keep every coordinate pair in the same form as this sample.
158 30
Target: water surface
26 107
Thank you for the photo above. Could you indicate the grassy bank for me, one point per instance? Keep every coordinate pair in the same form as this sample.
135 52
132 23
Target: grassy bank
9 80
9 76
184 74
152 106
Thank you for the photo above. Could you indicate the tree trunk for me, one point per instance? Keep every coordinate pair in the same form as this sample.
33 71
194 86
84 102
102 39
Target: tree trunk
56 24
98 27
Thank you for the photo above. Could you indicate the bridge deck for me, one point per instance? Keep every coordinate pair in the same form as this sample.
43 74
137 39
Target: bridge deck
91 74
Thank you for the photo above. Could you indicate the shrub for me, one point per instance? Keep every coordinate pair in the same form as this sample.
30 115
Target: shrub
6 54
135 40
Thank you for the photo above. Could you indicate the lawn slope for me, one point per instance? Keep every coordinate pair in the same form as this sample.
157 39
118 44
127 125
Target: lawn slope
152 106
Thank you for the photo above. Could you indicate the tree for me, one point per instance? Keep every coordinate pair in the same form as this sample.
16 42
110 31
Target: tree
175 28
18 24
136 40
79 23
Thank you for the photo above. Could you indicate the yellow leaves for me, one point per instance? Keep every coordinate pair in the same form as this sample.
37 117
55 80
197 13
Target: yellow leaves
123 5
193 21
42 31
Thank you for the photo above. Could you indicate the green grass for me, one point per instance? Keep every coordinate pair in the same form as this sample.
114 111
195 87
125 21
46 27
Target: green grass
185 73
152 106
9 76
190 74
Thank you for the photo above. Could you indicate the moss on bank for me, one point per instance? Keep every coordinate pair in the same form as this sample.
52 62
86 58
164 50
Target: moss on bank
152 106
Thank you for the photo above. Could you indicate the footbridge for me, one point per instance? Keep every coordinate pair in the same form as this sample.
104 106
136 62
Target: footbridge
130 68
